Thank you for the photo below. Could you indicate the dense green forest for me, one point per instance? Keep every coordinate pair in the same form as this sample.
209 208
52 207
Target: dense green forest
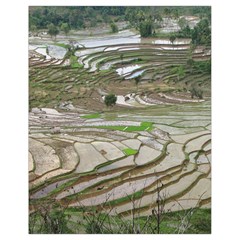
84 16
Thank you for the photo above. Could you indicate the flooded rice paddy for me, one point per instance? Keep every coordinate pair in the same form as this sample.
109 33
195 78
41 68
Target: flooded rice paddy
86 154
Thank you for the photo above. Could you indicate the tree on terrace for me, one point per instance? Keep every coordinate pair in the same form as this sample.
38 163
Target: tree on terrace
182 23
201 34
145 28
172 38
180 72
65 28
53 30
110 100
114 27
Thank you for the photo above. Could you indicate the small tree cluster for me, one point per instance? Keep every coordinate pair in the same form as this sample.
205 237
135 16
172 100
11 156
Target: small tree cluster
137 79
50 218
110 100
52 30
182 23
179 70
114 27
65 28
196 92
201 34
172 38
146 28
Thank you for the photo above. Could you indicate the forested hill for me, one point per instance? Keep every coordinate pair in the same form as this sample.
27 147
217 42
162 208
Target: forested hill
79 17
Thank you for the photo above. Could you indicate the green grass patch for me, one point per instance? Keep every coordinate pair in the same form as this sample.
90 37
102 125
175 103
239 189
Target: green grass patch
66 46
135 195
74 62
171 222
106 71
135 128
202 66
130 151
76 65
148 125
119 128
90 116
162 35
145 126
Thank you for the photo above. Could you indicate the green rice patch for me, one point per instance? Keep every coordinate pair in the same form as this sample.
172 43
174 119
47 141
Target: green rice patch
135 128
135 195
74 62
119 128
130 151
148 125
76 65
66 46
145 126
91 116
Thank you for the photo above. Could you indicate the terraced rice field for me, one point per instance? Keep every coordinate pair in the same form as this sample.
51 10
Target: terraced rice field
86 165
97 68
82 154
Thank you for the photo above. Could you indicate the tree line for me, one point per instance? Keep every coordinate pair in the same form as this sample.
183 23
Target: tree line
83 16
200 34
143 19
76 17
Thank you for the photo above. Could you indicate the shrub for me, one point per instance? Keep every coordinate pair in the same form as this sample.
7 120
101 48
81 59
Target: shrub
130 151
172 38
110 100
114 27
93 228
197 92
145 28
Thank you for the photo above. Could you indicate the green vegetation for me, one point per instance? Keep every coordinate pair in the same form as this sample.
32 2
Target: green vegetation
136 128
81 220
145 19
202 66
172 38
53 30
74 62
66 46
145 28
110 100
75 16
201 221
119 128
200 34
91 116
179 71
182 23
83 16
114 27
137 79
196 92
76 65
135 195
65 28
145 126
48 221
130 151
185 32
